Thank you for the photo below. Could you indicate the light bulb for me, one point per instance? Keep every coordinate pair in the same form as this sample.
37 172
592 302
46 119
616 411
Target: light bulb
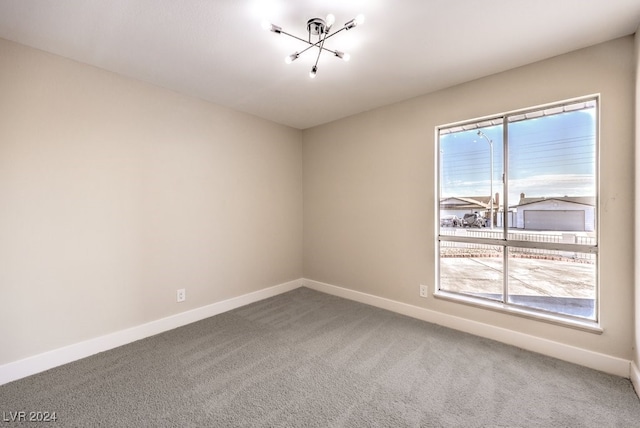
291 58
330 20
271 27
313 72
358 20
343 56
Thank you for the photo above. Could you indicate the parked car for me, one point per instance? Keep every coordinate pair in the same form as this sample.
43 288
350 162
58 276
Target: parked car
450 221
473 220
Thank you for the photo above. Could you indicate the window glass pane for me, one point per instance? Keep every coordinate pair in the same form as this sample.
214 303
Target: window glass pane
552 164
555 281
470 173
473 269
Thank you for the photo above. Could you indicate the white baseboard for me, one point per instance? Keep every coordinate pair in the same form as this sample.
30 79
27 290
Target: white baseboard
583 357
47 360
635 377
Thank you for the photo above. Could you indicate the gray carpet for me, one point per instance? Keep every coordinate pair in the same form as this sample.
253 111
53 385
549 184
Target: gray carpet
307 359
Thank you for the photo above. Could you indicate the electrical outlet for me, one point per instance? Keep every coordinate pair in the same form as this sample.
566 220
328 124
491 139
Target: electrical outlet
423 291
181 295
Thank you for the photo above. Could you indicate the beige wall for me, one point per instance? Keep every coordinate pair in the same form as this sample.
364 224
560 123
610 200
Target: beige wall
369 190
115 193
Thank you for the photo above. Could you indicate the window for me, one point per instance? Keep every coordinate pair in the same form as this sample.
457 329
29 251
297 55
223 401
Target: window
518 211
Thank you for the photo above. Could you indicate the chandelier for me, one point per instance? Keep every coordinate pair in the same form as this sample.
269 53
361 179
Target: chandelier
322 29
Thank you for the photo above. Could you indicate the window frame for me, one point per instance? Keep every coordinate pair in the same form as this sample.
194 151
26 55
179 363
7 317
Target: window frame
505 243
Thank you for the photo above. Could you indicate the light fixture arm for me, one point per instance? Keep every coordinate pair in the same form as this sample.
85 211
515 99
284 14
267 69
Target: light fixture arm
315 66
318 44
296 37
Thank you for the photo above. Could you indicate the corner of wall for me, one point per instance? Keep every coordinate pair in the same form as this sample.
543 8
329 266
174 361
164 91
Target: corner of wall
635 374
635 377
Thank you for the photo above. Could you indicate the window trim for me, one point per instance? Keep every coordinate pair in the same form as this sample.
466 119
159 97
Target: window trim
521 311
504 119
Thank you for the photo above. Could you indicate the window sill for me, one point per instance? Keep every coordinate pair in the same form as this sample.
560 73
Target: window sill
584 325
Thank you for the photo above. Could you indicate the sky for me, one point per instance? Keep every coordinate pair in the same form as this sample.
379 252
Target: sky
549 156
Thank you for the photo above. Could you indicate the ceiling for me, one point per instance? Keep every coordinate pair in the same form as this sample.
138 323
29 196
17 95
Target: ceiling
216 50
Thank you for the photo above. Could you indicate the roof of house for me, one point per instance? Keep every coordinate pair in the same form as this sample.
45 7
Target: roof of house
582 200
468 202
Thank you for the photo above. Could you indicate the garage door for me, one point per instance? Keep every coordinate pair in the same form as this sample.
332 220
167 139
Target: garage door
554 220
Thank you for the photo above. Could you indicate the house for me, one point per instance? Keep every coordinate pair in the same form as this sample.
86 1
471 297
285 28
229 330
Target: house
462 205
563 213
118 191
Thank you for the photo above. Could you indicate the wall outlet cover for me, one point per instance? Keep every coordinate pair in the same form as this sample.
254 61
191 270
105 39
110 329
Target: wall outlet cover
424 291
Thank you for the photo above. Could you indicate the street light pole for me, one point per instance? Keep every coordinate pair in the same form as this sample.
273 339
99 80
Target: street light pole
481 134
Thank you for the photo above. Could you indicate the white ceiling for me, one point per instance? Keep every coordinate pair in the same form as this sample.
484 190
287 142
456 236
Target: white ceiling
216 49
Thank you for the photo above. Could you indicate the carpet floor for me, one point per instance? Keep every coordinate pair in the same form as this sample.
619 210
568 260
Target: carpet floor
308 359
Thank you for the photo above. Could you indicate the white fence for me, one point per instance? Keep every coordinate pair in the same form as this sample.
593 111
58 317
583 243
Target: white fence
560 238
